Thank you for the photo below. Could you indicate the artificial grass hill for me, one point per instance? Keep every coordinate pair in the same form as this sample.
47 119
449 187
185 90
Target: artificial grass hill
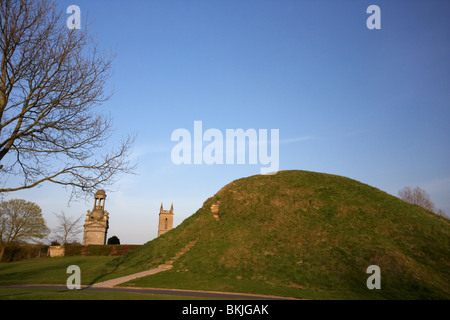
305 235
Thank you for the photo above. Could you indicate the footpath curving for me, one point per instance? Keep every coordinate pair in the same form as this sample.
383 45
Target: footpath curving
162 267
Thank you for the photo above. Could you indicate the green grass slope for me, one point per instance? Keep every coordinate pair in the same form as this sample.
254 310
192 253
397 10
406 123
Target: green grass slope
304 235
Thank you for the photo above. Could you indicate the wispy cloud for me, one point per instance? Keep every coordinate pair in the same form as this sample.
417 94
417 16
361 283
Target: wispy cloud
309 138
299 139
143 150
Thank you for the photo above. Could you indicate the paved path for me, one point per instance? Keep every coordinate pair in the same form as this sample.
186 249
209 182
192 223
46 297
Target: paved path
114 282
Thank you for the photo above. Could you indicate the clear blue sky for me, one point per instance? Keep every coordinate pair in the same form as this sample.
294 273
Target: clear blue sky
372 105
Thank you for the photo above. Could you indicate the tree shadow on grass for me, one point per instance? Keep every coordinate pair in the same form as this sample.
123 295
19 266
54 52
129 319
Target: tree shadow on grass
111 267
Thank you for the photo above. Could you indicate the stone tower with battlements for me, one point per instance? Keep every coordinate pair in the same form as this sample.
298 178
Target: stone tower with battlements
97 222
165 220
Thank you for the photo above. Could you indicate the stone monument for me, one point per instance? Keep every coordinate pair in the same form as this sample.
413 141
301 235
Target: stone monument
97 222
165 220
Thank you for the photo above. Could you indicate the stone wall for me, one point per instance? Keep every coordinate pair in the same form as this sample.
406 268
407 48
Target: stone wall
215 210
56 251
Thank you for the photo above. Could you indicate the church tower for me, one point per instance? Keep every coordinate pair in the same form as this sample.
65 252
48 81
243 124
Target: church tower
165 220
97 222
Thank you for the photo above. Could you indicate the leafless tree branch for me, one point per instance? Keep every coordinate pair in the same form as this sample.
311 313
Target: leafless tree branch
51 81
67 229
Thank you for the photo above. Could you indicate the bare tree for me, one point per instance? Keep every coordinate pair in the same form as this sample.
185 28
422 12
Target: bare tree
67 229
20 220
416 196
51 81
442 213
421 198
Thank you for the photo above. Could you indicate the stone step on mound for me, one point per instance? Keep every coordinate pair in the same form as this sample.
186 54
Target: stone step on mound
180 253
170 261
168 264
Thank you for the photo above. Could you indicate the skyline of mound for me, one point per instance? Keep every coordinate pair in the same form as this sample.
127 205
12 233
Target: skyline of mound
306 235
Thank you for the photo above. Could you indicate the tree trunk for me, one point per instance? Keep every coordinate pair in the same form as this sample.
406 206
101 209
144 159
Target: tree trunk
2 251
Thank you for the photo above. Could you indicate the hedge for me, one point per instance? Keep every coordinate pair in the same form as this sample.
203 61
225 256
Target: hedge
18 252
99 250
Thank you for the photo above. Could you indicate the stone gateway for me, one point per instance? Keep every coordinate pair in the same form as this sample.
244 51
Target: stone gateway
97 222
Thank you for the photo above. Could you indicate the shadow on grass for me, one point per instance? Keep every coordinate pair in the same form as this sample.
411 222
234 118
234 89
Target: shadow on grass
116 263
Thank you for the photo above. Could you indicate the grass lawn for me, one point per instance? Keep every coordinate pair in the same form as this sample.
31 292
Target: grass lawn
304 235
180 280
53 270
296 234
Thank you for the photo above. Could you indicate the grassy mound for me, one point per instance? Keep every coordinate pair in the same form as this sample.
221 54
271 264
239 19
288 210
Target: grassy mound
305 235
